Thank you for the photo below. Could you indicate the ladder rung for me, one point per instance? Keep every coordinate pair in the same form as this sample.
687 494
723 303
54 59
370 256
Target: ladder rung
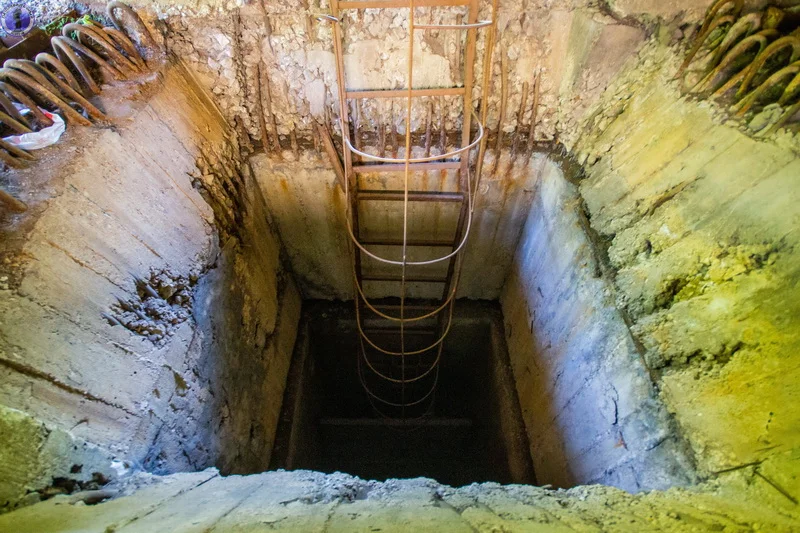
413 167
394 331
411 307
410 242
383 4
410 279
383 422
468 26
402 93
413 196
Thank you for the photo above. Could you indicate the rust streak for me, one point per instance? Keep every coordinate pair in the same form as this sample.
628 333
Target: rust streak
520 115
262 122
534 110
442 125
267 106
503 103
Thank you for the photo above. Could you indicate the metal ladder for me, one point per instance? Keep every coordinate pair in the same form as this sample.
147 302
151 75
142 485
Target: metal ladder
400 374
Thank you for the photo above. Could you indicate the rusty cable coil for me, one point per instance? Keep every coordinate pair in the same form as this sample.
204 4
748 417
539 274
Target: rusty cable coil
747 60
63 81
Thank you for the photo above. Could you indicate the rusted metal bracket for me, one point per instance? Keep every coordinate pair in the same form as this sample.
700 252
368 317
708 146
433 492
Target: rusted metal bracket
330 149
12 204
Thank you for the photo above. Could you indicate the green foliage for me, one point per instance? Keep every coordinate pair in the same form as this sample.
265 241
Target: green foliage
54 26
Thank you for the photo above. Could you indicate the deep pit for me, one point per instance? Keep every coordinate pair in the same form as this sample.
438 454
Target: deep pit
178 334
472 432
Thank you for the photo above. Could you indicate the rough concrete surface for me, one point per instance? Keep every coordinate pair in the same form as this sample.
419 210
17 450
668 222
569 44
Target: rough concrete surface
308 208
590 408
61 455
310 501
701 223
112 210
274 59
652 307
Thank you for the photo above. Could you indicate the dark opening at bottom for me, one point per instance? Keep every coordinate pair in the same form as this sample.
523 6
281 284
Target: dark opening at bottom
472 433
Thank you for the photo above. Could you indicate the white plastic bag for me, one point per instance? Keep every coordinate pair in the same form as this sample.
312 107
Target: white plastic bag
39 139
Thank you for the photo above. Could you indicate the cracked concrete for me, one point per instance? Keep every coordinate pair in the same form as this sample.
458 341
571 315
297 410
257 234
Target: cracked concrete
116 236
696 216
274 59
650 308
591 410
310 501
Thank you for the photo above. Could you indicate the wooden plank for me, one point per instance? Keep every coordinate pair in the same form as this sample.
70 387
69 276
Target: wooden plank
457 27
469 71
199 509
403 93
413 196
61 513
399 4
414 167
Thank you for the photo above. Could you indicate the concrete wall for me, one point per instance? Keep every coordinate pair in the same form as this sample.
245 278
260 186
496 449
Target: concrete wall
93 367
308 208
274 60
671 264
701 224
295 54
590 409
225 43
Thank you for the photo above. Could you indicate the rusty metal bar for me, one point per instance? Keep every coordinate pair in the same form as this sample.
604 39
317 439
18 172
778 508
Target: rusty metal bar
503 105
399 167
411 279
399 93
398 4
361 422
262 80
488 51
413 196
466 147
351 183
330 149
534 118
479 24
11 203
444 243
393 331
464 182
